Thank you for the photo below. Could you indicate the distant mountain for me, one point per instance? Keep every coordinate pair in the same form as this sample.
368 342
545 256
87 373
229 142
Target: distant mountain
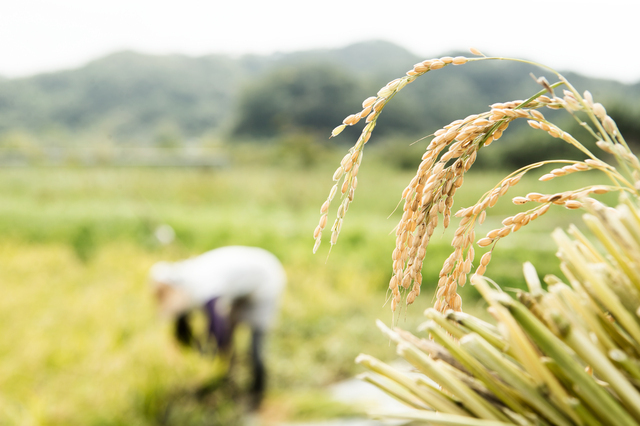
132 96
126 93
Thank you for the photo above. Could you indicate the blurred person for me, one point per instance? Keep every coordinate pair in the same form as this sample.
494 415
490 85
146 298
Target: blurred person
233 285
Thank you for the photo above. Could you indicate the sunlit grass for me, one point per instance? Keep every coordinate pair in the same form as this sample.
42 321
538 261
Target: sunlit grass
81 339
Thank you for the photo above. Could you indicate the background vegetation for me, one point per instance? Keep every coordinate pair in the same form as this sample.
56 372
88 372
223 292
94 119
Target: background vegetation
131 100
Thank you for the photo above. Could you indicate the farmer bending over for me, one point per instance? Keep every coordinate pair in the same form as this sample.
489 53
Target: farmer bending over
233 285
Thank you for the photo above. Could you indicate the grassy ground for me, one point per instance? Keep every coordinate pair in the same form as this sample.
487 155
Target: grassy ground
80 341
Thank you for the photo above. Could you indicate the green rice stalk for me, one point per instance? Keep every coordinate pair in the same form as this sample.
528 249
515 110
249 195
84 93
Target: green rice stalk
601 365
475 384
532 279
475 325
586 315
394 389
477 370
441 419
526 387
604 293
631 217
429 347
629 365
523 349
451 328
601 402
604 318
615 245
429 397
583 413
472 401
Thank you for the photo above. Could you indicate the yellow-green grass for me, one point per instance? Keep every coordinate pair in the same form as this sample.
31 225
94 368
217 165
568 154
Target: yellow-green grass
80 341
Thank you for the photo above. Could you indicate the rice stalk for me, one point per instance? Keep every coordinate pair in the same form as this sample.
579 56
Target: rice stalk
428 199
567 354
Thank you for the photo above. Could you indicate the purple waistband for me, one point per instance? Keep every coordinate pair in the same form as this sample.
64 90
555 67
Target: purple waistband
219 325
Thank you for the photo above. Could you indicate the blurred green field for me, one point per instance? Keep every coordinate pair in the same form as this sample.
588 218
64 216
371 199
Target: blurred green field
81 343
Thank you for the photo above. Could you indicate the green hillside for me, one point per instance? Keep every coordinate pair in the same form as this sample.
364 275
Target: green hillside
132 97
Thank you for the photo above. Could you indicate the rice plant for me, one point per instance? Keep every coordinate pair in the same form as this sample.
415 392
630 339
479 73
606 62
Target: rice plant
565 355
428 199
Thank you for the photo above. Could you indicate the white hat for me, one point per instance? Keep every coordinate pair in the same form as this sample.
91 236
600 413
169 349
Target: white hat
165 273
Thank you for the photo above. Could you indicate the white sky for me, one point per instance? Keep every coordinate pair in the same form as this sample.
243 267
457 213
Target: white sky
596 38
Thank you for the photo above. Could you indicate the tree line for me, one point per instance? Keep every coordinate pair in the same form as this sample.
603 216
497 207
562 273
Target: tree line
141 99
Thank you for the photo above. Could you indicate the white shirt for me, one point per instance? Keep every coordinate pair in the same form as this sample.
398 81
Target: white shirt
230 273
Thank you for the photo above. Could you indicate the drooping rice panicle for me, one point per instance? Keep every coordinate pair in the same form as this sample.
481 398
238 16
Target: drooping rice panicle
345 175
429 197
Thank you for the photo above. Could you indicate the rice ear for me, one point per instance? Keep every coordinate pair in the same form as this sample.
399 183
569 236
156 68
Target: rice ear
451 152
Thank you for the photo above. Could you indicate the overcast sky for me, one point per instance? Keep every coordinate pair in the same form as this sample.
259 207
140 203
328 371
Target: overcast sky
596 38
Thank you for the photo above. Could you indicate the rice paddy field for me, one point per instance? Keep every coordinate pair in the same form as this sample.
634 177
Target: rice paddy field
81 342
